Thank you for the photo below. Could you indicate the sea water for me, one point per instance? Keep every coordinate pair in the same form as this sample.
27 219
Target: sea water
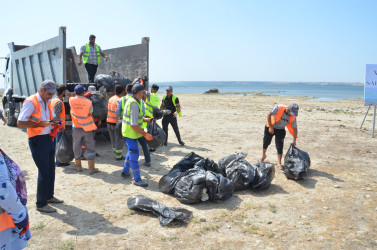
321 91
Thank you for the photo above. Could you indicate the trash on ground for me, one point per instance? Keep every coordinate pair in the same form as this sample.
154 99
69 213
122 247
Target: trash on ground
165 214
296 163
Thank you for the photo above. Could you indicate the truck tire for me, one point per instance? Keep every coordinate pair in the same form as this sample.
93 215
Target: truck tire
11 120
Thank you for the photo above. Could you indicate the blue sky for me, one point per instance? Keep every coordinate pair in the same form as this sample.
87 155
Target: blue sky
239 40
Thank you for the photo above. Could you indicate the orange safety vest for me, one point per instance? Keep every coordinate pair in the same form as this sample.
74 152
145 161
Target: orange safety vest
111 109
276 118
80 108
6 221
62 114
31 132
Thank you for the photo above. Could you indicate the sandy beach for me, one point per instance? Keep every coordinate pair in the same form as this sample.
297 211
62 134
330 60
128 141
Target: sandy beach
334 207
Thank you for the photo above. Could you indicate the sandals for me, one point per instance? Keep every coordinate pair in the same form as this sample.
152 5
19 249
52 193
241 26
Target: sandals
263 159
93 171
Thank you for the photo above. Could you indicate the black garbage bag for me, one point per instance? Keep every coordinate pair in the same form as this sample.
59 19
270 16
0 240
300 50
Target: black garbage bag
64 149
120 79
99 108
209 165
158 134
168 181
228 160
265 173
158 114
191 187
296 163
106 81
238 170
219 188
164 214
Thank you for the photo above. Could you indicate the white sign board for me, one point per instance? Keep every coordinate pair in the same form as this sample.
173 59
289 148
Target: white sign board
370 86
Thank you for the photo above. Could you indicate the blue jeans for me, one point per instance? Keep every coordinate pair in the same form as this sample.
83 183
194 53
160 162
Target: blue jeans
132 159
57 139
144 144
43 151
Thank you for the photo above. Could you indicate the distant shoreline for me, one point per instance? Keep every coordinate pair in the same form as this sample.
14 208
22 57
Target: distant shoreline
273 82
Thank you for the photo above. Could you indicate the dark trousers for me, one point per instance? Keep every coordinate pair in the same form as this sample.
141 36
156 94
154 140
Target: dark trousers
43 151
279 139
144 144
57 139
92 70
173 121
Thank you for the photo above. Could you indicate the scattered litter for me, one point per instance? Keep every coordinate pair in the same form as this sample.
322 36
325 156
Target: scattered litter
165 214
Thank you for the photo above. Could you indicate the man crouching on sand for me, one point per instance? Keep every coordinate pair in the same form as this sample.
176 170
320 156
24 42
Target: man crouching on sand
277 119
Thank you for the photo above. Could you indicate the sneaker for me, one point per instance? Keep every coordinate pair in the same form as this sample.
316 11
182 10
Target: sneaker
54 200
93 171
120 159
46 209
141 183
152 149
148 164
181 142
124 175
63 164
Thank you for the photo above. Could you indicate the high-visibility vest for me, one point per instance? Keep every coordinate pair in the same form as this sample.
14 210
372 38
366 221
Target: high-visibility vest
6 221
276 118
127 130
31 132
62 114
85 55
174 97
144 125
111 109
154 101
80 108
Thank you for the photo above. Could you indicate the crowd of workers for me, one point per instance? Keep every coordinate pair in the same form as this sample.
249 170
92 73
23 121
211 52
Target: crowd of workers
129 111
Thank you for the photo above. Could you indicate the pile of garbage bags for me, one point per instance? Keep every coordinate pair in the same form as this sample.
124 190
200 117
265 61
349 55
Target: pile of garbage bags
195 179
109 81
164 214
296 163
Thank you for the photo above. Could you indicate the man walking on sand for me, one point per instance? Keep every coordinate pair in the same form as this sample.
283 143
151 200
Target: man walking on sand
82 128
37 116
277 119
133 118
91 54
171 102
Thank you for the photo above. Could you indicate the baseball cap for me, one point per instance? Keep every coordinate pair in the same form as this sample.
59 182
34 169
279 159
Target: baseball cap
49 85
91 88
293 108
79 89
92 36
137 87
155 86
169 88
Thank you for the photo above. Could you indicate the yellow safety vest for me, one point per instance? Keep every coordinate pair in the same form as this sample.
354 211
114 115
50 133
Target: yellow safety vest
85 55
127 130
174 97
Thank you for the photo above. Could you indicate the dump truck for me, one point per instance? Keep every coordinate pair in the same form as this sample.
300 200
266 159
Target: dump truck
27 66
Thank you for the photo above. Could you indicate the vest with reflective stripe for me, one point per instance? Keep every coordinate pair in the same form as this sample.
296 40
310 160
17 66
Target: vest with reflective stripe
85 55
62 114
144 125
80 108
111 109
154 101
127 130
6 221
31 132
276 118
174 97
